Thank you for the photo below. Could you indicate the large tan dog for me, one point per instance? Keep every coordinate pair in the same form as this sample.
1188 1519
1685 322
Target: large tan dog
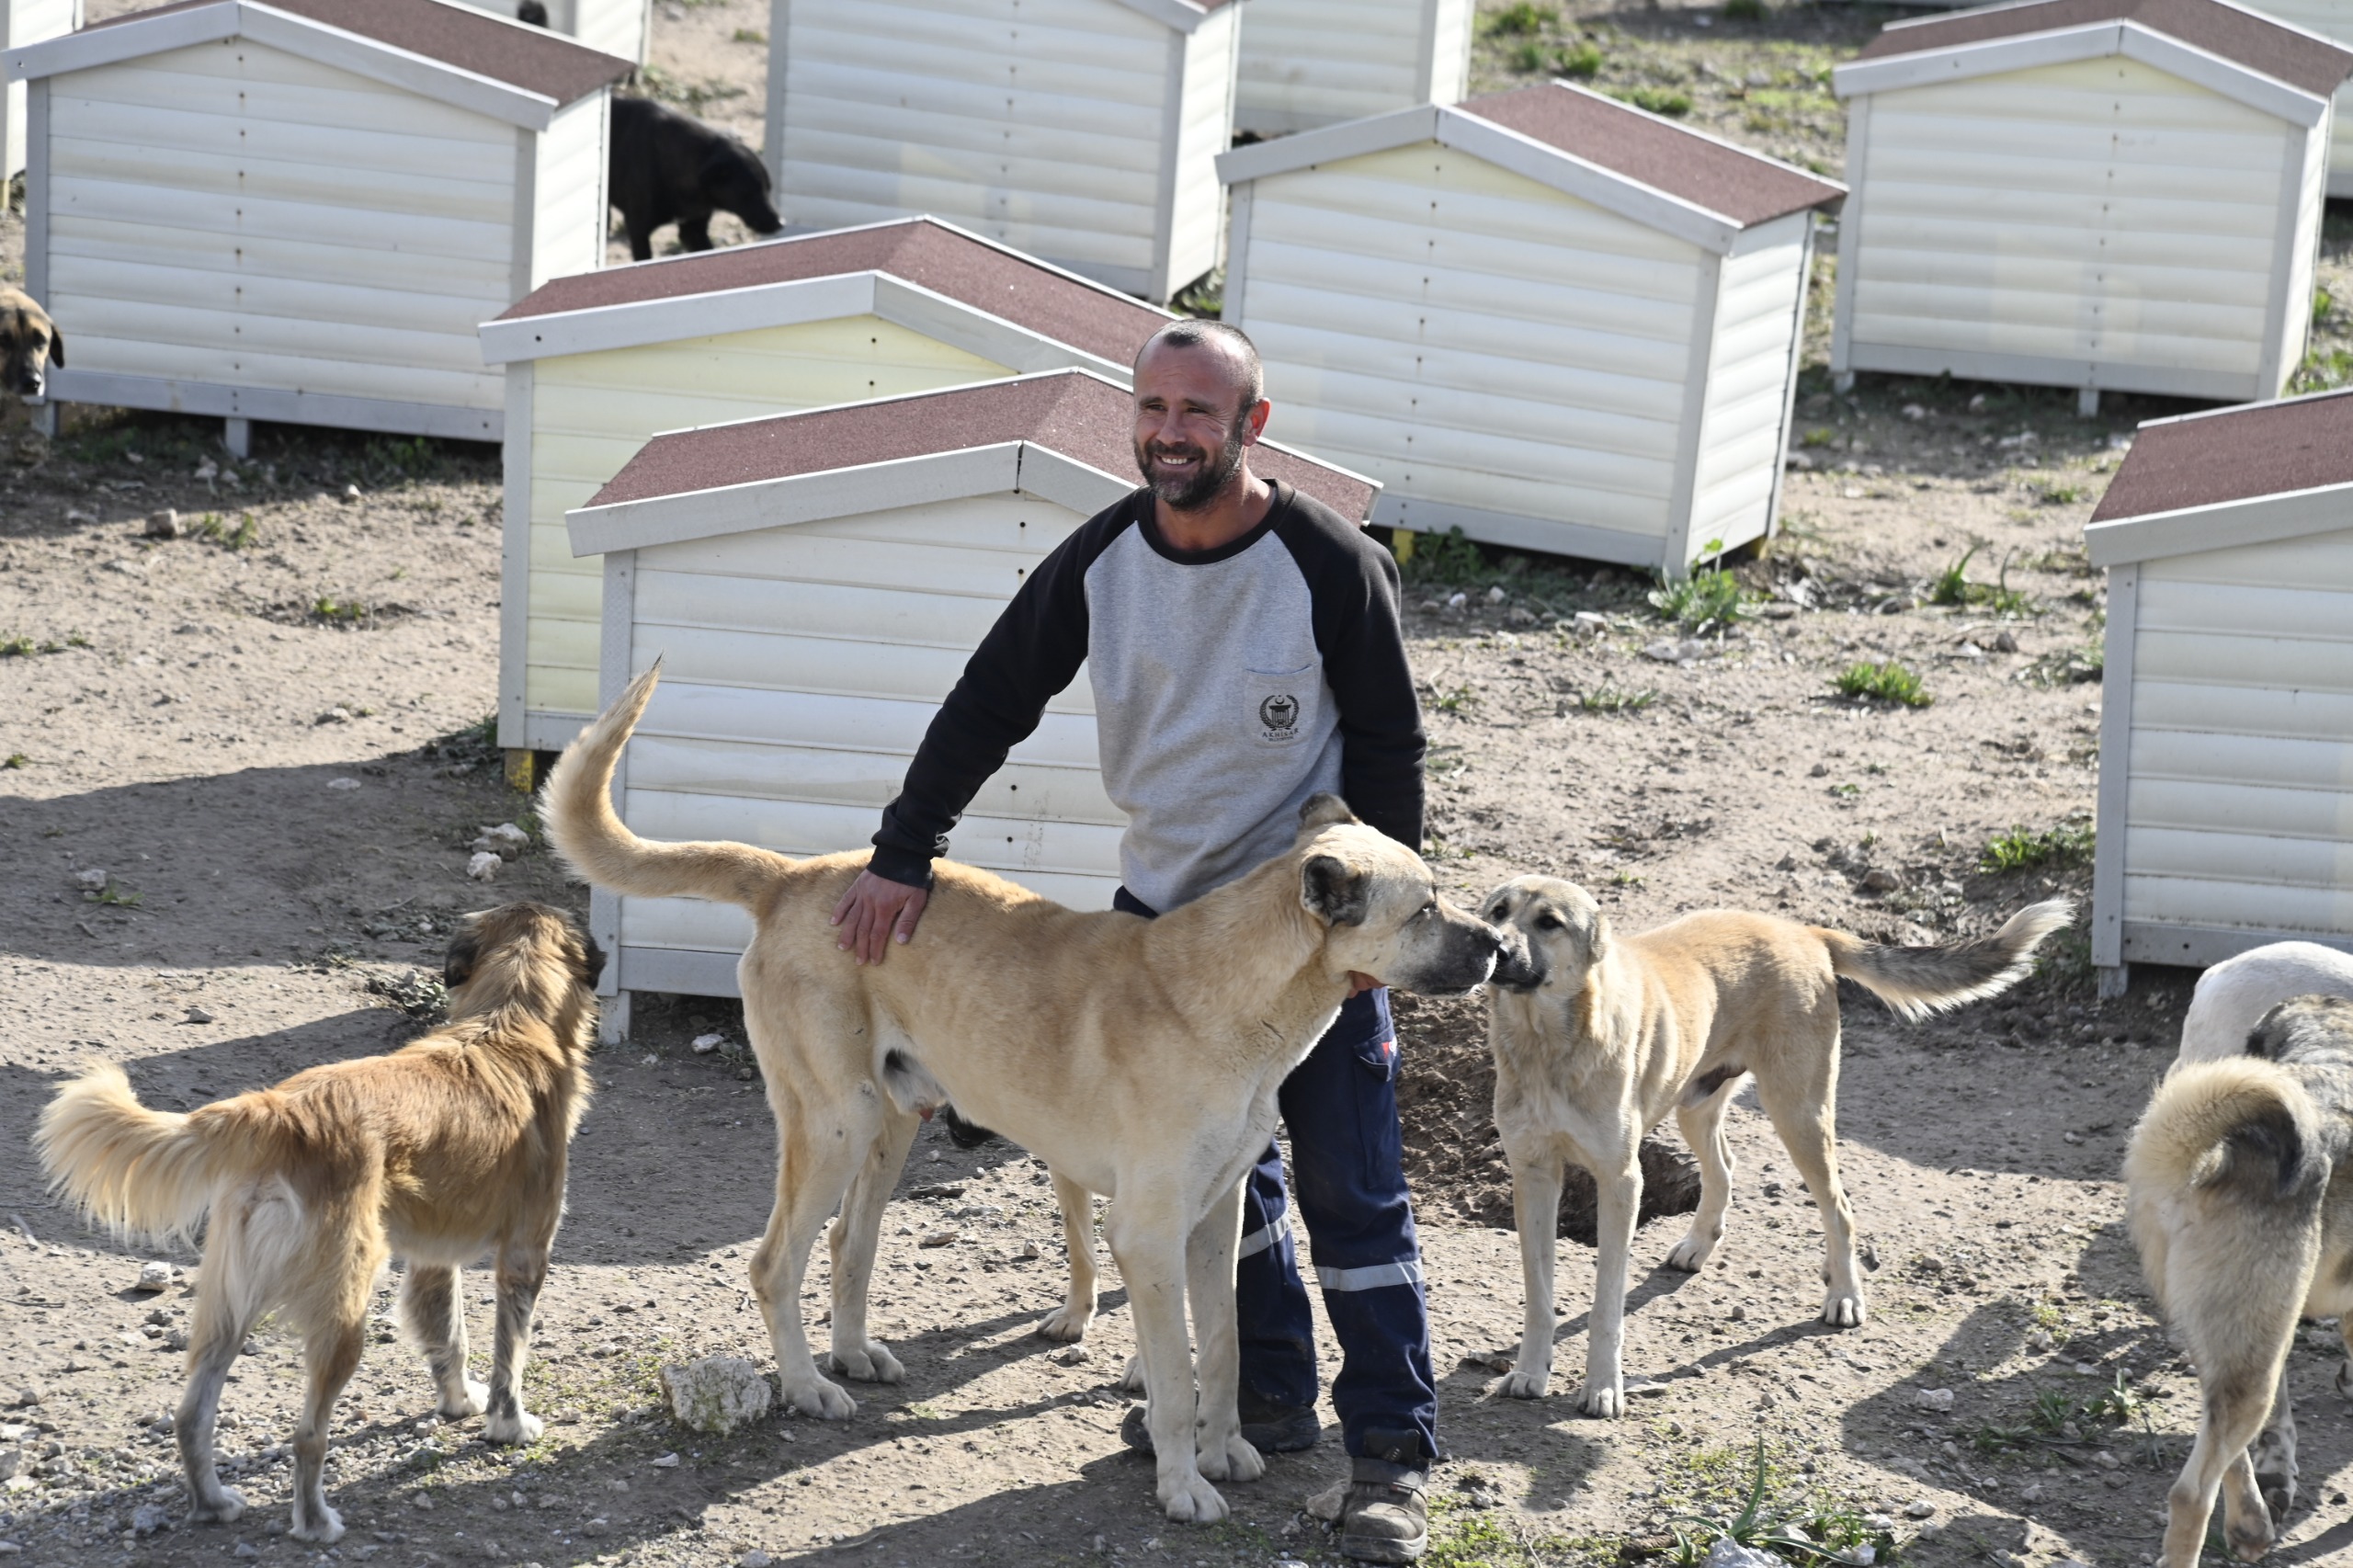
1138 1058
451 1144
1597 1037
29 344
2240 1194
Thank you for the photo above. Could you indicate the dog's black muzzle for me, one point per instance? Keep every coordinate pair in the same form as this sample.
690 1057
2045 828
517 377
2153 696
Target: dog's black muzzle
1467 964
1516 966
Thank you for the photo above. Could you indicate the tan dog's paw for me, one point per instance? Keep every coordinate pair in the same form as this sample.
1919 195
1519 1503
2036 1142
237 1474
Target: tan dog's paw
2250 1539
1843 1309
1605 1401
326 1530
869 1363
1521 1383
1240 1461
476 1401
518 1427
1132 1381
821 1399
225 1509
1691 1254
1191 1500
1066 1324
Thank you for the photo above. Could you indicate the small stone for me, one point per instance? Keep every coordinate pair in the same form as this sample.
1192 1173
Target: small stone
755 1558
164 524
337 715
2005 642
596 1530
704 1044
1455 601
30 1395
1737 1314
667 1462
1931 1399
938 1239
245 1549
2040 1340
1921 1509
350 494
2106 1460
91 881
1914 413
422 1502
503 839
1496 594
198 1015
1073 1356
1729 1553
716 1394
1880 880
150 1519
482 865
153 1276
343 783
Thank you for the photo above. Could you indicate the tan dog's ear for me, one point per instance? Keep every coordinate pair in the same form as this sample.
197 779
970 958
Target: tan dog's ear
1334 889
464 953
1598 938
1323 809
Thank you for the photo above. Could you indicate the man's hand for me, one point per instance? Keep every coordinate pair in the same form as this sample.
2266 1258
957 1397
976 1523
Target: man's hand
875 910
1360 983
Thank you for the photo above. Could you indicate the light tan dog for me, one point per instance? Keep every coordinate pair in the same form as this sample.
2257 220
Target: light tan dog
2240 1194
451 1144
1597 1037
1138 1058
29 344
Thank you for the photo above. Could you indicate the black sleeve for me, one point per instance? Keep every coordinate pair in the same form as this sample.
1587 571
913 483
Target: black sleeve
1353 583
1029 656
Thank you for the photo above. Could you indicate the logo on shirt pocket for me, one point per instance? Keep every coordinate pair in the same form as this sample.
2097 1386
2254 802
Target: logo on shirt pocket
1278 716
1280 706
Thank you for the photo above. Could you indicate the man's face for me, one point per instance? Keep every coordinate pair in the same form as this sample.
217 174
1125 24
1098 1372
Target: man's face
1192 429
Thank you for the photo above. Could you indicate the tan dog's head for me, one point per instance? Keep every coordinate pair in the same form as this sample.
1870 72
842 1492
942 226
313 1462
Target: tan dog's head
522 952
1553 933
29 344
1380 910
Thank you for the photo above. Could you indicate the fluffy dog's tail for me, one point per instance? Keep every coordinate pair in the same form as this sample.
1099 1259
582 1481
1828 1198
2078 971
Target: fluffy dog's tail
2243 1122
1917 982
577 807
139 1172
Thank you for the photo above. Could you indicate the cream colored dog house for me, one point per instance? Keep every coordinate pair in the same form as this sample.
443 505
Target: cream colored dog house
1083 131
597 363
23 22
813 585
2226 728
2097 194
1312 63
302 211
1542 317
615 27
2332 19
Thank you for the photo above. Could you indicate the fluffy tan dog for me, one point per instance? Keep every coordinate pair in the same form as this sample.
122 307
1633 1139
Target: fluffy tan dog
2241 1200
450 1145
1138 1058
1597 1037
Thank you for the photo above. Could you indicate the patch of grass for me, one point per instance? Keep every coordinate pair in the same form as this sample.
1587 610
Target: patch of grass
115 896
1447 561
1845 791
1465 1537
1952 587
14 760
1528 57
1820 436
2054 494
1703 602
689 95
1453 700
750 35
1608 698
1521 18
2324 370
2068 667
1657 100
17 647
1582 62
2060 1420
1890 681
212 529
2025 849
338 612
1625 878
1805 1533
1745 10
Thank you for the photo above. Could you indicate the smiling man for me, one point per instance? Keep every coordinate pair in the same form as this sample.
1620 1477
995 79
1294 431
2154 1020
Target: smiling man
1244 647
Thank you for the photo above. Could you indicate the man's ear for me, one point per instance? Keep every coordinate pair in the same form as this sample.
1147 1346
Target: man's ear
1334 889
1323 809
465 952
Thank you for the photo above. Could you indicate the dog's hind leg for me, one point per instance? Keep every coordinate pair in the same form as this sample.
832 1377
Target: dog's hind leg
522 1270
1536 1180
814 1164
435 1319
1225 1453
2273 1455
331 1354
1148 1232
255 1230
1702 1127
852 1244
2233 1412
1069 1321
1802 1106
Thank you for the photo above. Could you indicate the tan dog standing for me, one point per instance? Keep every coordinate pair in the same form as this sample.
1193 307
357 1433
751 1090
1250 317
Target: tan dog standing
30 344
1138 1058
1597 1037
451 1144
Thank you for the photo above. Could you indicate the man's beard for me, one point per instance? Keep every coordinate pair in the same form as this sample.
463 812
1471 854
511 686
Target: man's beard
1193 492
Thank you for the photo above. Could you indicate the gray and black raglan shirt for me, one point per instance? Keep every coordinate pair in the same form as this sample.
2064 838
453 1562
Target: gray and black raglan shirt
1230 685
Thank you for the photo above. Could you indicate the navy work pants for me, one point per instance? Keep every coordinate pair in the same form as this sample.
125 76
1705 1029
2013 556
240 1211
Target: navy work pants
1340 1106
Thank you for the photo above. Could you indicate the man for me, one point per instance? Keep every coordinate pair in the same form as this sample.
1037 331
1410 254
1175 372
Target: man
1243 646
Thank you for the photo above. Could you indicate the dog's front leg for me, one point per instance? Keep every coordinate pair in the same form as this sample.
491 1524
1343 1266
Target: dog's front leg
1536 1213
1225 1454
1618 1198
1148 1235
1069 1321
522 1270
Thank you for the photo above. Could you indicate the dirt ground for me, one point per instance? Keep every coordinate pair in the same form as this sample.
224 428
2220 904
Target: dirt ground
268 737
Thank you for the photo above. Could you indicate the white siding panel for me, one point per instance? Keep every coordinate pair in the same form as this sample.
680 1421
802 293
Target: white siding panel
2237 856
569 209
2331 19
2254 904
2191 757
2251 660
2101 212
1758 315
865 780
1311 62
228 213
26 22
801 828
2199 708
2170 603
1205 129
2298 564
770 717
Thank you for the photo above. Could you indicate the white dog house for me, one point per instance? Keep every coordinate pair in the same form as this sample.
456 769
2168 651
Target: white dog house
1542 317
23 22
1311 62
2332 19
614 27
814 584
302 211
2226 728
1084 132
597 363
2095 194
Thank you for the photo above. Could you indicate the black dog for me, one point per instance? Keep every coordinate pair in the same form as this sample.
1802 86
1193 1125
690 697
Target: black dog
532 12
666 166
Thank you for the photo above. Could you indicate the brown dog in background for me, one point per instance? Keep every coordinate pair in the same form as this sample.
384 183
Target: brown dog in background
450 1145
30 344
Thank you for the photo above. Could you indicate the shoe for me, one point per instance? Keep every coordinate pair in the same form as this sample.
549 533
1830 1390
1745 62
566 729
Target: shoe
1269 1428
1381 1513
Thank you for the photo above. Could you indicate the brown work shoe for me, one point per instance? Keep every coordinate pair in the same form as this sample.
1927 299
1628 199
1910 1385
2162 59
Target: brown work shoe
1381 1511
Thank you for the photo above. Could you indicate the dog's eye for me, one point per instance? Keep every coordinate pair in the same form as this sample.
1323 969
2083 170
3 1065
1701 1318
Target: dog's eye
1550 923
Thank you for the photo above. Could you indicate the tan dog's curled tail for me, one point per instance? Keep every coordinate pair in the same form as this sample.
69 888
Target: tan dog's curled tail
577 806
2242 1120
136 1171
1916 981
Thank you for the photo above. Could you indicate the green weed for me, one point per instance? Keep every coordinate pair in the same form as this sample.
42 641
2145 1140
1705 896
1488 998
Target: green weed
1626 879
1703 602
750 35
1657 100
2059 1420
1845 791
1528 57
1952 587
2323 302
1606 699
1887 682
14 760
1453 700
2324 370
1464 1537
2058 494
213 530
1820 436
1447 560
338 612
1806 1533
117 896
1522 19
1582 62
19 647
2024 849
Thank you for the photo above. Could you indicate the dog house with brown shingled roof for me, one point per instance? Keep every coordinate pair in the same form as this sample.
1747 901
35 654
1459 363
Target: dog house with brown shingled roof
813 585
1307 64
1542 317
597 363
302 210
2226 725
614 27
1084 132
2097 194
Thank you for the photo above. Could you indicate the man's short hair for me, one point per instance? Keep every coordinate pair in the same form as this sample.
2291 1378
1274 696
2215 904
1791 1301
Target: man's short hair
1231 340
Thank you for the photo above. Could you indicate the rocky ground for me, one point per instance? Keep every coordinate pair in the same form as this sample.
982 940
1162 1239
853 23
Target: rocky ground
265 738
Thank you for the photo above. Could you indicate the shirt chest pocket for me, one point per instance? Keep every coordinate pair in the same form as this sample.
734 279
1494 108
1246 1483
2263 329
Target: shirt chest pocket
1281 708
